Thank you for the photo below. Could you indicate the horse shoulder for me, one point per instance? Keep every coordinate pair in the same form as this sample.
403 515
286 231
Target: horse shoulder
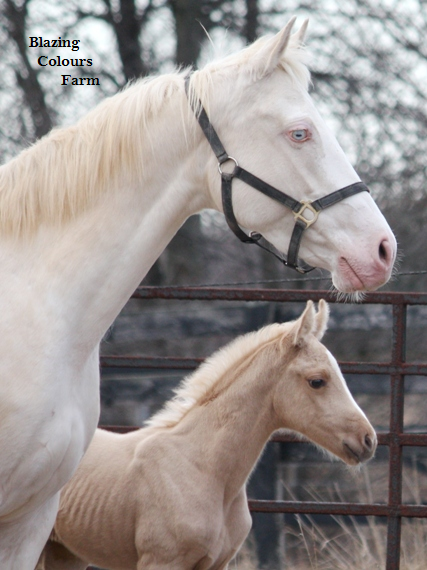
167 463
235 528
174 503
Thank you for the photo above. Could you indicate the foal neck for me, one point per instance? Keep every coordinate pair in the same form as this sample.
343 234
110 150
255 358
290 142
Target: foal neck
228 429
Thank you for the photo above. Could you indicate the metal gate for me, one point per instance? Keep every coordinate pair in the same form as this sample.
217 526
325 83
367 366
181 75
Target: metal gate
397 368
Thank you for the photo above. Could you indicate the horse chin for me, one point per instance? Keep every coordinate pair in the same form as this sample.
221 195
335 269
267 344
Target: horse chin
350 279
350 455
350 450
354 453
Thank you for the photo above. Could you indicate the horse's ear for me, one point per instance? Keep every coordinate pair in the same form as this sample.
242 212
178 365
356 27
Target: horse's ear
321 319
300 34
270 53
303 326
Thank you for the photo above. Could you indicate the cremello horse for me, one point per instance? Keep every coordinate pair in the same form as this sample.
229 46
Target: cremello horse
86 211
172 496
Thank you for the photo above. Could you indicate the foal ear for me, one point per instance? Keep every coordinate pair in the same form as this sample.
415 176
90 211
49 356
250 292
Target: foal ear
270 53
303 326
321 319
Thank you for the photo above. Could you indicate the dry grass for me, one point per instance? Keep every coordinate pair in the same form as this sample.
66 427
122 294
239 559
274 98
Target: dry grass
353 546
349 543
245 559
356 546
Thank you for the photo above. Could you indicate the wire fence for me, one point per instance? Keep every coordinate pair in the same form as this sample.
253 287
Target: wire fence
307 279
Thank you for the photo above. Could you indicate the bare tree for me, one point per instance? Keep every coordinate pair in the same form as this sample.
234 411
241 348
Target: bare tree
251 27
127 23
14 16
190 18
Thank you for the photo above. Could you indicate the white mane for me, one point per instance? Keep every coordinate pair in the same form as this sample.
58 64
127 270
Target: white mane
67 170
197 385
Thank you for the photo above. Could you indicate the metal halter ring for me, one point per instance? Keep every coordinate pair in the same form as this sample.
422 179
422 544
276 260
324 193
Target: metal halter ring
236 165
306 205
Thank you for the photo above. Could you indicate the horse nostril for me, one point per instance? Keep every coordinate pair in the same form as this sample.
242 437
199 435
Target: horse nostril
386 252
383 251
368 442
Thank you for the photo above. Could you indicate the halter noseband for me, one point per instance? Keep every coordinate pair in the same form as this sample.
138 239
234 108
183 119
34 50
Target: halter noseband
299 208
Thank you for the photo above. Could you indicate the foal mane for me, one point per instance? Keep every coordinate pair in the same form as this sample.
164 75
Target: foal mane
195 387
64 173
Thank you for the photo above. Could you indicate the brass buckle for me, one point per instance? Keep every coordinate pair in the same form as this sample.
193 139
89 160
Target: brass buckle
306 205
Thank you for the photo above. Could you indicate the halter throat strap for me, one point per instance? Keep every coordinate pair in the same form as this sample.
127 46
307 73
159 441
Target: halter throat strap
305 212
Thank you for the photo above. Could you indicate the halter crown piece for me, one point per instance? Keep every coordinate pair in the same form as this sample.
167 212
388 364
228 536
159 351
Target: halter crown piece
300 209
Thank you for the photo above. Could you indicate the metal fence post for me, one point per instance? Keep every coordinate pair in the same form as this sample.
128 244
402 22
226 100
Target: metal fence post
398 357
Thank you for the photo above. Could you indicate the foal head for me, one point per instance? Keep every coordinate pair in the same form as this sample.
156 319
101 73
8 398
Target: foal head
313 399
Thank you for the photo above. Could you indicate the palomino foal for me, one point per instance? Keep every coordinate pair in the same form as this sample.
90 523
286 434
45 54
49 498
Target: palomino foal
172 496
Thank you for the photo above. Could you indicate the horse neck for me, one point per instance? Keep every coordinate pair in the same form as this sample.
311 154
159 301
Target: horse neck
229 430
93 263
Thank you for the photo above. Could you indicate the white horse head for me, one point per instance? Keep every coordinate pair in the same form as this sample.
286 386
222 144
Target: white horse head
258 103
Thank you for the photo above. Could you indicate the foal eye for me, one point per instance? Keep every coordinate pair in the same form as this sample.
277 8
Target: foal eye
300 135
317 383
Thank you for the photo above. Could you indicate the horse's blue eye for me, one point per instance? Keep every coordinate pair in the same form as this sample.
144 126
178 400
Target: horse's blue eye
317 383
299 134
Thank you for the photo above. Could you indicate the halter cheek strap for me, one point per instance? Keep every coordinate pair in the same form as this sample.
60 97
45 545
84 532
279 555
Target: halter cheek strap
305 212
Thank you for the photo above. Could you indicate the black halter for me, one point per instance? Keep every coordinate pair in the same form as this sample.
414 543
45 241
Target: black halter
299 208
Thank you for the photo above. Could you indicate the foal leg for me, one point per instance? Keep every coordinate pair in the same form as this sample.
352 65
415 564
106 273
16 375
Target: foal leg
55 556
